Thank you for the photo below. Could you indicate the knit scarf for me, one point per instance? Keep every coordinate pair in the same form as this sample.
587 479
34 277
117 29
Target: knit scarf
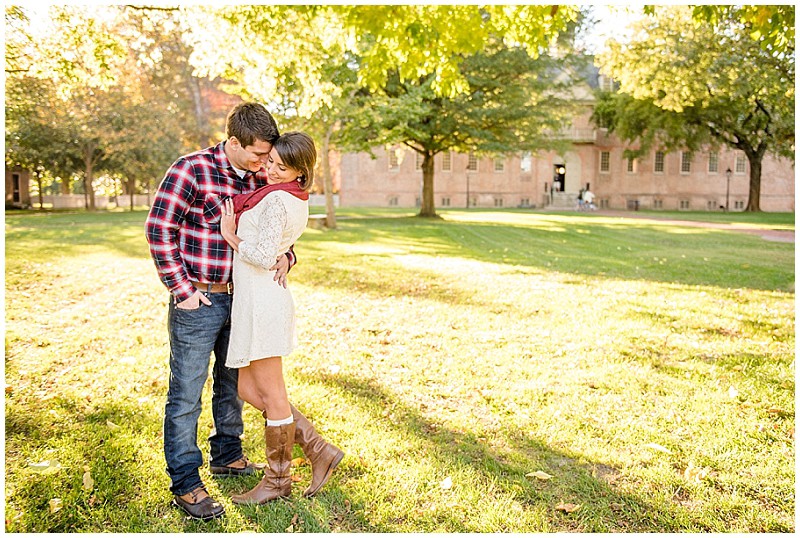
243 202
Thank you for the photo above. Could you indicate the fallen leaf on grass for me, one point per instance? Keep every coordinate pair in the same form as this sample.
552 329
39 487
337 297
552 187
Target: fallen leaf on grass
111 425
88 481
732 392
541 475
297 462
776 411
616 506
447 483
296 478
660 448
568 507
46 467
55 505
695 474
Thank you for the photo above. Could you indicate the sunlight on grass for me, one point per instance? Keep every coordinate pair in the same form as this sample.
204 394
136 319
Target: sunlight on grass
649 372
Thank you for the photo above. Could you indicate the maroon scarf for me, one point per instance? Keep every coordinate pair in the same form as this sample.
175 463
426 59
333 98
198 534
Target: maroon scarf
243 202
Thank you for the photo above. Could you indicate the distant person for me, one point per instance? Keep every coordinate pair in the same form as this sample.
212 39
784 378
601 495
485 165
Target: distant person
580 199
588 200
266 231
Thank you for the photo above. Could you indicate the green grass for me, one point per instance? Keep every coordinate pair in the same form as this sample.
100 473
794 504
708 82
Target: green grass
647 367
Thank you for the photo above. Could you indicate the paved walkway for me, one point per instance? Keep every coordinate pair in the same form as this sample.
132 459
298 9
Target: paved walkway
782 236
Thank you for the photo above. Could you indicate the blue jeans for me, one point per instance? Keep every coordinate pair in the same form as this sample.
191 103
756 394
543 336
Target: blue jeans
193 336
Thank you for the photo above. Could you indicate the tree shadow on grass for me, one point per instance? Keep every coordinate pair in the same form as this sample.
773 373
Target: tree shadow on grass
605 508
630 250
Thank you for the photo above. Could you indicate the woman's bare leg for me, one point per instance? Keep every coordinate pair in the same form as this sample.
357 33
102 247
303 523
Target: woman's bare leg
261 385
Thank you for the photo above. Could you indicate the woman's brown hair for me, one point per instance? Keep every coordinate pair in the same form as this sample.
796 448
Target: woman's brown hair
297 151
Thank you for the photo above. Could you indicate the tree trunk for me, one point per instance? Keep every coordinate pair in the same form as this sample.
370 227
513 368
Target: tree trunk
201 122
131 189
38 176
427 208
88 181
754 199
327 178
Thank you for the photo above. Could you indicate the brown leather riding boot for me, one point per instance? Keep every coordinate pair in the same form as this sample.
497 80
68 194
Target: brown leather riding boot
324 457
277 481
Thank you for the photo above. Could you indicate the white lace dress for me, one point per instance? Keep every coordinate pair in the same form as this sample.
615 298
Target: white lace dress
262 319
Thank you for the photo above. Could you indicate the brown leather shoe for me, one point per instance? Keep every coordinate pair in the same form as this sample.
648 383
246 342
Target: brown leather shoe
231 470
204 509
323 456
277 480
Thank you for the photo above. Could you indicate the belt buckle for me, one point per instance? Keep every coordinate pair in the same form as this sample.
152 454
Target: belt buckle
229 288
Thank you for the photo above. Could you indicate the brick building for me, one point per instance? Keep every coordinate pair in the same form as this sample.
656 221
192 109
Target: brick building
659 180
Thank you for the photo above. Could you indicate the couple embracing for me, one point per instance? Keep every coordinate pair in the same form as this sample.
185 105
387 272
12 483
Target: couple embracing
221 231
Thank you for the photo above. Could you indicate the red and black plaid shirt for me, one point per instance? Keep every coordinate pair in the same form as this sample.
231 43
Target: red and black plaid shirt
182 227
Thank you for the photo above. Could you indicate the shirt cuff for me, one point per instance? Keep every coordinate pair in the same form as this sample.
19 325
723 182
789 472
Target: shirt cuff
184 291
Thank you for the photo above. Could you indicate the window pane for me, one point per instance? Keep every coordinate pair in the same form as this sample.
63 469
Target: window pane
740 164
713 162
659 162
473 162
605 160
686 162
446 162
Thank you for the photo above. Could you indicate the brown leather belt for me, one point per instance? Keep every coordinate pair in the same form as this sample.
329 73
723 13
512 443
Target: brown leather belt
214 288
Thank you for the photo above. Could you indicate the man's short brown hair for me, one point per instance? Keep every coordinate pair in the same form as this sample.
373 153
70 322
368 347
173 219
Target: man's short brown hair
249 122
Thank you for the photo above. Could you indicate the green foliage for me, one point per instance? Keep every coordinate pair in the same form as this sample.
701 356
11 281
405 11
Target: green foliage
772 26
647 367
288 47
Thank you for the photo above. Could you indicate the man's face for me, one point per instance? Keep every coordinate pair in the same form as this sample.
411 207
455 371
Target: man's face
252 157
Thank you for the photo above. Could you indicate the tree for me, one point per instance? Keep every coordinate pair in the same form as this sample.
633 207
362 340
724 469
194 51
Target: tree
511 103
686 85
287 55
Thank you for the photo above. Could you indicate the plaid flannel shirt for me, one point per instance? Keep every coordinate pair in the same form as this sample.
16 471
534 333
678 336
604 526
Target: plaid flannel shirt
182 227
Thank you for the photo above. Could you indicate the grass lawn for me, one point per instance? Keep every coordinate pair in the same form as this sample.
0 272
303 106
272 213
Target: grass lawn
490 371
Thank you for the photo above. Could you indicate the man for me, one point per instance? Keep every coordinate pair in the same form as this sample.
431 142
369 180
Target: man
195 263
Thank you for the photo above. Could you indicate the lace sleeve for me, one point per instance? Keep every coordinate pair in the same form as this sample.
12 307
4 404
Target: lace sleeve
271 223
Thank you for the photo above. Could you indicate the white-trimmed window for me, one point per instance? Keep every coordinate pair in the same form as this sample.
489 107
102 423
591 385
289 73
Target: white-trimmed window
525 162
631 168
472 162
741 163
658 204
738 204
445 202
605 161
394 162
393 201
499 164
713 162
686 162
658 162
684 204
498 202
418 161
606 83
447 162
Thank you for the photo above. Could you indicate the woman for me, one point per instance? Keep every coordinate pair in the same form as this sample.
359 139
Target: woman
262 317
